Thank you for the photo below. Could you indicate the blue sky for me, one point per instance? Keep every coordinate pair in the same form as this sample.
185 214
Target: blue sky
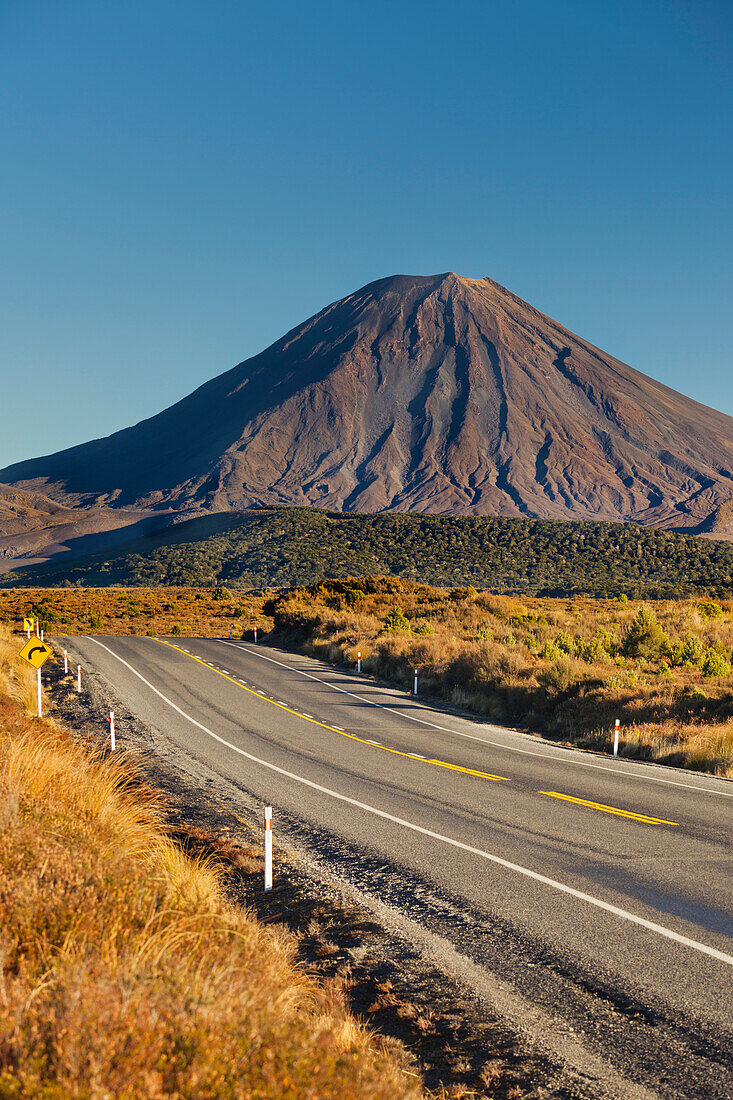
182 182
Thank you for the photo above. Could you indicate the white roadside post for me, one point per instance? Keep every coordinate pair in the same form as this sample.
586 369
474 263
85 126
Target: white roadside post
615 737
66 663
255 635
414 689
78 677
29 631
268 847
112 730
38 632
358 661
41 635
38 681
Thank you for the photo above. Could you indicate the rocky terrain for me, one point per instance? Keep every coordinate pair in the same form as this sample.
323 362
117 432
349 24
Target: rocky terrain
430 394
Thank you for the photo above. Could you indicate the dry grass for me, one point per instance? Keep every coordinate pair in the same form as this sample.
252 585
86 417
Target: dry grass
120 611
124 971
554 665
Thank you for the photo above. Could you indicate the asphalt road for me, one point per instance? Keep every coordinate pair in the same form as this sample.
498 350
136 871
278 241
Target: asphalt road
600 889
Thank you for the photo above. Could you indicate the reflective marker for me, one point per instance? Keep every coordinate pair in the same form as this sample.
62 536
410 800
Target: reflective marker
268 847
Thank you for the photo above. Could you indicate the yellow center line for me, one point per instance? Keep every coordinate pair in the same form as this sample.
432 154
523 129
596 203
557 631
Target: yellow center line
610 809
325 725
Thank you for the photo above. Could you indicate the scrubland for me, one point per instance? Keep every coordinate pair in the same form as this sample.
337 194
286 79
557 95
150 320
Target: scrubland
124 969
562 667
567 668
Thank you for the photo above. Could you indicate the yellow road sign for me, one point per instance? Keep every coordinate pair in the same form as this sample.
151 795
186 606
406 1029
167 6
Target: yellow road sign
35 652
27 624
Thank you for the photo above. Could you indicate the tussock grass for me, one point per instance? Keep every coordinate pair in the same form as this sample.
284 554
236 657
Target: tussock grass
124 970
565 667
557 665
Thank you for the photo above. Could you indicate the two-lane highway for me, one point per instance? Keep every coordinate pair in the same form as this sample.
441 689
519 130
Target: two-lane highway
610 876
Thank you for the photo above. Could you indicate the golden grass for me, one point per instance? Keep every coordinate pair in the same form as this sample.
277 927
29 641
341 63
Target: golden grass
487 653
134 610
124 970
480 651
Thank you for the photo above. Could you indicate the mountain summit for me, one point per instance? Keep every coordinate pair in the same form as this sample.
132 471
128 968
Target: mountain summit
431 394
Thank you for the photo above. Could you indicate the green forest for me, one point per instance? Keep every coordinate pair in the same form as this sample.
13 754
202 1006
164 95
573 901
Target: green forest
287 546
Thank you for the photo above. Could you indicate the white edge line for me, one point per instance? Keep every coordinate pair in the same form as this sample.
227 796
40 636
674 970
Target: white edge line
651 926
569 757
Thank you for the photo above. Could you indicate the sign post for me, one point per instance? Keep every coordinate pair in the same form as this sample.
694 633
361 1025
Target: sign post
36 653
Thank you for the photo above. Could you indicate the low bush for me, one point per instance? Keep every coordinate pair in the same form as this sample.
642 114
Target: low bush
396 622
715 664
644 637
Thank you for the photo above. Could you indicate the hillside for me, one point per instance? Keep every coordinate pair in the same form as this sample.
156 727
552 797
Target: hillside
296 546
429 394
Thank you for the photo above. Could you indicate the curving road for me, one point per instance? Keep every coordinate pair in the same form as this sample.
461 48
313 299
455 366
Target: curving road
601 892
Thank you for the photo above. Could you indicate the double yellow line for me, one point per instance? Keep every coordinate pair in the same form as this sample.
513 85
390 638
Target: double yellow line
412 755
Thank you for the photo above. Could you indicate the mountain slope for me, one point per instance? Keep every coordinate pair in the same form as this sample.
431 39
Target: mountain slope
431 394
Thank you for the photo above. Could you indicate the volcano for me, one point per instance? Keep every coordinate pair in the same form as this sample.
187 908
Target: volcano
431 394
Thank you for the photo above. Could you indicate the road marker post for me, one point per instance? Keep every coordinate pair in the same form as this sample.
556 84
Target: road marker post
616 729
358 662
112 730
41 635
78 677
255 635
414 689
268 847
38 681
38 632
66 663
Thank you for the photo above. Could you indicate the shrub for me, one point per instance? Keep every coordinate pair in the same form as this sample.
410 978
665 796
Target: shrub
95 620
565 643
354 596
693 652
45 613
594 651
550 652
558 678
709 609
176 630
509 640
423 628
221 593
463 593
715 664
644 637
396 623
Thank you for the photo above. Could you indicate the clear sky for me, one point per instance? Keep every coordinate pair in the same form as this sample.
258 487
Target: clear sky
182 182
